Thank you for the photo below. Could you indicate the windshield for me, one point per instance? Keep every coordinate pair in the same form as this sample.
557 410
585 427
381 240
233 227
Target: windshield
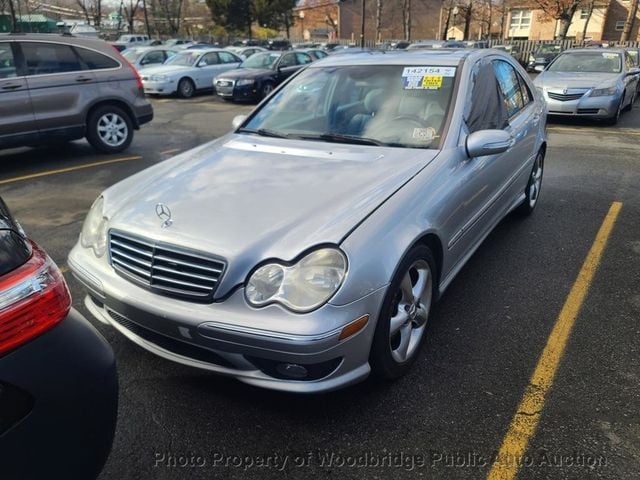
596 62
389 105
261 60
185 59
548 49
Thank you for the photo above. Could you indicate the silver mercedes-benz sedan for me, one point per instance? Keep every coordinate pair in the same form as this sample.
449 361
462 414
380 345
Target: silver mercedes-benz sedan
305 249
598 83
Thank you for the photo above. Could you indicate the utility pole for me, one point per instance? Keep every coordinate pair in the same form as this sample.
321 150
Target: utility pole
631 18
362 26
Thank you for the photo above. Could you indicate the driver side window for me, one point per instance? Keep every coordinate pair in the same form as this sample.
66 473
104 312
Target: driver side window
488 104
289 60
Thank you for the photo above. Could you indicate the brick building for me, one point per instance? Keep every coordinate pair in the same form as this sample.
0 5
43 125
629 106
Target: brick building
326 19
606 22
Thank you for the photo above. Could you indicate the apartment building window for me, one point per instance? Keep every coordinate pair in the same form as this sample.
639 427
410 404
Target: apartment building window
620 25
520 19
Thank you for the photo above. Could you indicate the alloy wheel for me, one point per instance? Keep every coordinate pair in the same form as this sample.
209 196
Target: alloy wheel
410 311
535 183
112 129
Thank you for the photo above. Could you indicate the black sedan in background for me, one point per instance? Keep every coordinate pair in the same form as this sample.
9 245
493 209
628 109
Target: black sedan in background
58 383
259 75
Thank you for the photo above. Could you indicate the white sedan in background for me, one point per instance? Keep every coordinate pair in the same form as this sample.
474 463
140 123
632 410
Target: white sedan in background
188 71
147 57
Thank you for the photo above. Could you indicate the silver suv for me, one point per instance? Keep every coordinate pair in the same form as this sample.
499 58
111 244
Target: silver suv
56 88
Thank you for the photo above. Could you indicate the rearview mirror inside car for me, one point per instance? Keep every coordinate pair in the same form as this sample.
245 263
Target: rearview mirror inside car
488 142
238 120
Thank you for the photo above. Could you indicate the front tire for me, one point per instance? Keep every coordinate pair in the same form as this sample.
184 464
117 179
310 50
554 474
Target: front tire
616 116
186 88
534 185
109 129
266 90
403 318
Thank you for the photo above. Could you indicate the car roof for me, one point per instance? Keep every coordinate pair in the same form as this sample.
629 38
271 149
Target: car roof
591 50
440 57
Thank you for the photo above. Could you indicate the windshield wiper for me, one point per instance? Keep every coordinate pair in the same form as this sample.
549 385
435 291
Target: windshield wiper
264 132
342 138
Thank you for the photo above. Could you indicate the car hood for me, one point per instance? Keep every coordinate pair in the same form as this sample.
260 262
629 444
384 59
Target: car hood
166 70
575 79
239 73
249 198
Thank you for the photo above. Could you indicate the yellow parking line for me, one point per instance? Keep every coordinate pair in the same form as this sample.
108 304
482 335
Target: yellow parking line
525 420
171 150
69 169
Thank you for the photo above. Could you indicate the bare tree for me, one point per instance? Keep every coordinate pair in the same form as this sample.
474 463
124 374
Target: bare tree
590 5
406 19
147 27
379 7
130 13
628 24
92 11
170 13
561 10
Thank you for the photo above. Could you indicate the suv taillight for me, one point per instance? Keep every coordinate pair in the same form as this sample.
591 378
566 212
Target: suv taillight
133 69
33 299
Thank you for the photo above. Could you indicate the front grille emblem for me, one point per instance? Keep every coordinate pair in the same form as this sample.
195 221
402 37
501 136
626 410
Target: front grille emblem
164 213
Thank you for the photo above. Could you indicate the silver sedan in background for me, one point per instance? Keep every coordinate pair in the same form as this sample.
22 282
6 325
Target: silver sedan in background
598 83
305 249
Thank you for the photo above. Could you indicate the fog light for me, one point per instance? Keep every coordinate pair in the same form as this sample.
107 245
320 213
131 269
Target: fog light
291 370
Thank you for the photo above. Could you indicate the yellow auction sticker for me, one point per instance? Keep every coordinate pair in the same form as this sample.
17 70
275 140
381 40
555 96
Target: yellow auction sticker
432 81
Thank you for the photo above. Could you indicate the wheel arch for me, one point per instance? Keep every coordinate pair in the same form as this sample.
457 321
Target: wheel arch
117 103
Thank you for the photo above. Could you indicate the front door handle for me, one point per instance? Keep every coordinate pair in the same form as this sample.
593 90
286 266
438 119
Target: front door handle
83 79
11 86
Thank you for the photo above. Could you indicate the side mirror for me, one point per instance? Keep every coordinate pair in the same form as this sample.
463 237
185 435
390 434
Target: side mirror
539 68
488 142
238 120
633 71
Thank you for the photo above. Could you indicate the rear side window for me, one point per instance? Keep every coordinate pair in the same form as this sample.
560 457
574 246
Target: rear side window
510 86
96 61
227 57
7 63
155 57
303 58
49 58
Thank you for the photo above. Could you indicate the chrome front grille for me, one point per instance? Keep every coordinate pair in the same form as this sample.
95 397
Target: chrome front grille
565 97
165 269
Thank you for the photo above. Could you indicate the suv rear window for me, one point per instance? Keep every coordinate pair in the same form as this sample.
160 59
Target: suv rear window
48 58
95 60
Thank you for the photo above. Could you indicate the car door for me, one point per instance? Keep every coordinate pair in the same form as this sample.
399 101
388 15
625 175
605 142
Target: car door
207 67
484 186
60 86
287 66
16 113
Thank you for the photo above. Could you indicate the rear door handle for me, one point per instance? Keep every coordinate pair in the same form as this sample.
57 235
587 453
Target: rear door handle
11 86
83 79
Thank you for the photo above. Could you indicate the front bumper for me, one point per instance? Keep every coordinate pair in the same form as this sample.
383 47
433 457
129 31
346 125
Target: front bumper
231 337
159 88
586 106
237 92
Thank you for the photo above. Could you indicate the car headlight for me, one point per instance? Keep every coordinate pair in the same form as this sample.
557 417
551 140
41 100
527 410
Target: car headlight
601 92
159 78
245 81
301 287
94 229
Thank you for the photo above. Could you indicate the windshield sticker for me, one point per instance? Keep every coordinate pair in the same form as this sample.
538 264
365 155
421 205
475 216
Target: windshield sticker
424 134
423 71
610 55
428 82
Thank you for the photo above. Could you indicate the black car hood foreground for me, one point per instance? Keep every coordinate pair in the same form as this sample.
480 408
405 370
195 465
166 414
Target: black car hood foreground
243 73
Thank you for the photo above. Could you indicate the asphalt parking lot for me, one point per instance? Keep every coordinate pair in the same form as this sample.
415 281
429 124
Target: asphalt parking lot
459 404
